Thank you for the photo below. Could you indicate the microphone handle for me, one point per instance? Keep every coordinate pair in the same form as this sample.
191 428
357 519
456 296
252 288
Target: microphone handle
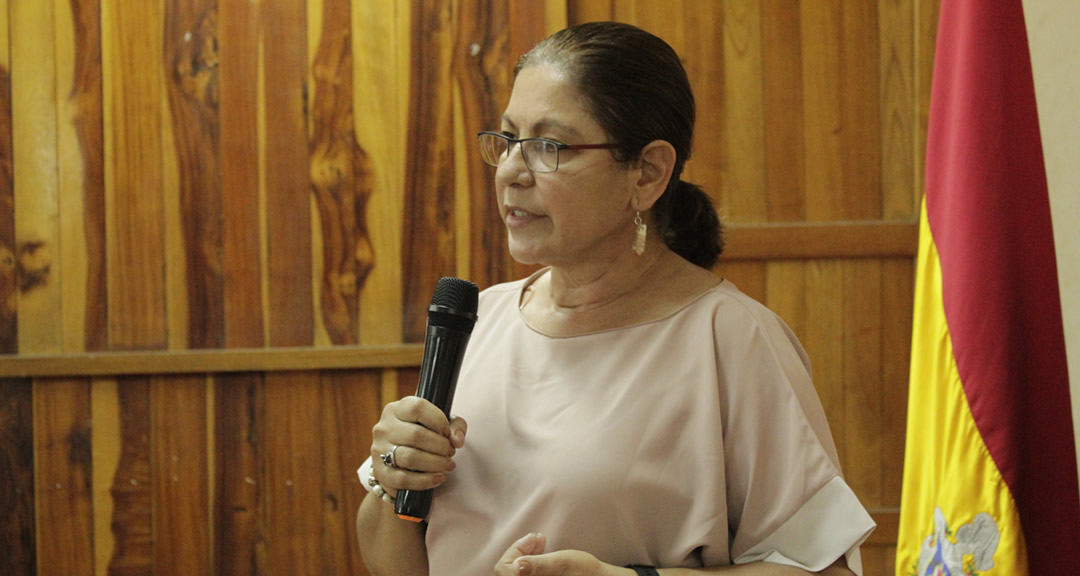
444 349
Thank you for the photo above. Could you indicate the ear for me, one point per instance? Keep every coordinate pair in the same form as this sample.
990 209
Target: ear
653 173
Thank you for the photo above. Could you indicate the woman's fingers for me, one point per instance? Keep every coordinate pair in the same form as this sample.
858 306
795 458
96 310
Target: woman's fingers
417 460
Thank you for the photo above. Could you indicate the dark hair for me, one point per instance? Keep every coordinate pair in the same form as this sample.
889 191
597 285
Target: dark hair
637 90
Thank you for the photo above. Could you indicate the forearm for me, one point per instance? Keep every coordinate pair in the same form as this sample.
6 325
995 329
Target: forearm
389 545
758 569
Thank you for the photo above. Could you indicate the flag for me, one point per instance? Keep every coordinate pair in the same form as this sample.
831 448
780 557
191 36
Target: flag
990 475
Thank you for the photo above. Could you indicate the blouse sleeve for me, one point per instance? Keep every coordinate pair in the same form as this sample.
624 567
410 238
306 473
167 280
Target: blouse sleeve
786 496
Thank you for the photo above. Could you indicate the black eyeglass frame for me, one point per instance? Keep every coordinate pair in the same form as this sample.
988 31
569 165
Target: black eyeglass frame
559 147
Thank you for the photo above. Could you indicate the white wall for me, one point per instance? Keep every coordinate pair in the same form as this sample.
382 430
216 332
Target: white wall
1054 37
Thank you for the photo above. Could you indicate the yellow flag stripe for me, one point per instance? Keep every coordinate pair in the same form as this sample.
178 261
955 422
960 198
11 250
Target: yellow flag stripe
947 465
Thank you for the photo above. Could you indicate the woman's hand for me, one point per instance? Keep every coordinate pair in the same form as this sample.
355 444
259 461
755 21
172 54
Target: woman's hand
426 443
526 558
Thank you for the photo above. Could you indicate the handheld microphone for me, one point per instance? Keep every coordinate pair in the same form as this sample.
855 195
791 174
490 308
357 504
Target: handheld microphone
451 318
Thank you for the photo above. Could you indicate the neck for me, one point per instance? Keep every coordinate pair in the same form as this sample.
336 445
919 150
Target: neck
589 287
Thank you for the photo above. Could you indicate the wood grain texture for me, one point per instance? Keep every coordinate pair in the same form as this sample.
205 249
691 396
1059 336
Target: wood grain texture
81 174
380 54
178 460
9 328
62 483
36 201
898 109
483 67
860 115
135 250
743 195
293 476
288 205
240 545
862 383
706 68
132 524
238 80
350 407
428 235
17 539
785 161
192 64
342 178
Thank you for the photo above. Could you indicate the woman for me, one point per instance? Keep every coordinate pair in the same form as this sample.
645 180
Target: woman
624 405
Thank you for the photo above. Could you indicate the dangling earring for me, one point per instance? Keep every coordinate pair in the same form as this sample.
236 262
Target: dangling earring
639 237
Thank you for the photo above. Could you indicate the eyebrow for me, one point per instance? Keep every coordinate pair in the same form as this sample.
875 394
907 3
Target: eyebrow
544 124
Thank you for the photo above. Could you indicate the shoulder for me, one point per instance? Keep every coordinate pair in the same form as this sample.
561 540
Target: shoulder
740 321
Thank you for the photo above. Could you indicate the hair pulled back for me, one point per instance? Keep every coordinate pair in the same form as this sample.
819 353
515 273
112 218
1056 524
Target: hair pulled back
636 88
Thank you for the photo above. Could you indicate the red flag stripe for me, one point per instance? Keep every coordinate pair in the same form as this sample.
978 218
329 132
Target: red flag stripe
989 214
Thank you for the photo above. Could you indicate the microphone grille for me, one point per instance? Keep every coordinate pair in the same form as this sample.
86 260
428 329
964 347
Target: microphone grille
456 294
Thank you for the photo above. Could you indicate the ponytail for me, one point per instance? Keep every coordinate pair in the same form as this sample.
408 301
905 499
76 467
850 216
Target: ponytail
689 224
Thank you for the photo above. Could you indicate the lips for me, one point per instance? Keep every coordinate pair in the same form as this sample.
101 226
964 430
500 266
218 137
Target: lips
519 217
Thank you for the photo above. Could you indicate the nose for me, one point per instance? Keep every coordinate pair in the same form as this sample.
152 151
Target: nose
513 169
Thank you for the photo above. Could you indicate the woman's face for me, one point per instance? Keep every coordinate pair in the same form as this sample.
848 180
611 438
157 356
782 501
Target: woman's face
579 214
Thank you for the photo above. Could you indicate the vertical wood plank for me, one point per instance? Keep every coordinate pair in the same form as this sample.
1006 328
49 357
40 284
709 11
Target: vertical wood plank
288 208
178 459
824 342
899 136
240 545
342 177
860 111
785 294
863 408
294 479
191 52
37 208
9 329
380 44
238 77
81 174
132 69
105 444
897 301
706 70
783 110
428 236
131 490
350 407
823 146
743 196
62 452
483 66
17 499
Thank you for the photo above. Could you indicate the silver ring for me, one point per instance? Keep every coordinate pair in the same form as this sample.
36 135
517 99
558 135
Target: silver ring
388 458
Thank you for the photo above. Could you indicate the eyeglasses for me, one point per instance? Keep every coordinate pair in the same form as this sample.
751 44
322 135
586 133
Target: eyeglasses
540 154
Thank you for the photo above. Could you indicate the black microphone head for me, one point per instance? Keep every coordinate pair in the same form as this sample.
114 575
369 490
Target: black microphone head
455 294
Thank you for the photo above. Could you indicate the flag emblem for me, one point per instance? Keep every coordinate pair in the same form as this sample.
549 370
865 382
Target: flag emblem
968 552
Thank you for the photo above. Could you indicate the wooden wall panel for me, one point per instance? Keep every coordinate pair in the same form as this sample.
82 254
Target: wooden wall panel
428 236
132 68
17 499
272 183
290 316
238 81
192 62
239 518
80 143
9 328
62 481
37 233
180 476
